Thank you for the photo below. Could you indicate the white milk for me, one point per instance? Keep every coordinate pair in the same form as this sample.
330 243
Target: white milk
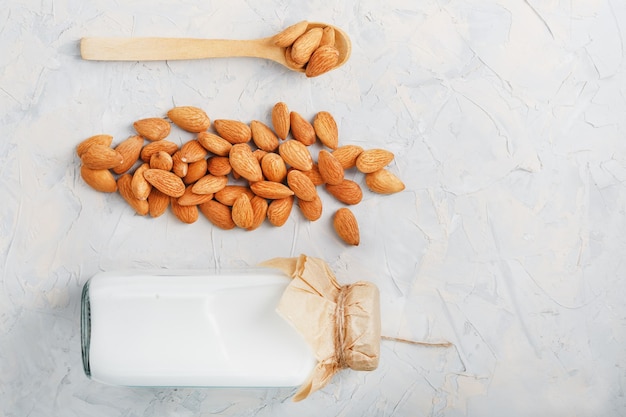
164 329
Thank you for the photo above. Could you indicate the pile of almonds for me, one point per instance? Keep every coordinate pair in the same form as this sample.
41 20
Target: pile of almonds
312 49
238 175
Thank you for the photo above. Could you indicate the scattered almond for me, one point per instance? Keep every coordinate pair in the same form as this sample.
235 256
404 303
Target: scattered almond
139 185
218 165
105 140
263 137
347 155
301 185
165 181
218 214
326 129
278 210
125 189
348 192
273 167
259 211
130 150
214 143
186 214
192 151
330 168
383 182
101 157
99 179
161 160
281 120
271 190
242 213
311 210
301 129
314 175
233 131
296 154
230 193
209 184
153 128
346 226
157 202
179 167
154 147
189 118
197 170
373 159
244 162
189 198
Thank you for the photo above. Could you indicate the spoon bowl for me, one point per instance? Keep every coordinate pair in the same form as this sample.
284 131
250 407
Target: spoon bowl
161 49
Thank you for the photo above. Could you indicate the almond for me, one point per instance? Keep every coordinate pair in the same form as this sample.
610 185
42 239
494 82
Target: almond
348 192
373 160
189 198
346 226
186 214
214 143
330 168
233 131
301 129
273 167
289 60
209 184
165 181
263 137
154 147
192 151
229 194
296 154
244 162
271 190
301 185
259 211
124 186
99 179
314 175
130 150
311 210
140 186
152 128
326 129
328 36
242 212
305 44
161 160
280 120
383 182
189 118
278 211
105 140
287 36
347 155
197 170
101 157
179 167
218 214
219 165
157 202
323 59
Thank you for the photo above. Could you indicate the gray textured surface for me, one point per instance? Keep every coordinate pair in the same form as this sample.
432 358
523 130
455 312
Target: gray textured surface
507 119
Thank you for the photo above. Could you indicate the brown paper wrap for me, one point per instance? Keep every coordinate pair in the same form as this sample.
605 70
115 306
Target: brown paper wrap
340 323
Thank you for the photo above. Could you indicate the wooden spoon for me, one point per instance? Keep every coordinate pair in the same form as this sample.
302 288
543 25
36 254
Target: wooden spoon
159 49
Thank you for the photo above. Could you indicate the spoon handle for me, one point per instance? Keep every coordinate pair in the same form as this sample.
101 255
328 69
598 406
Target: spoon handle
158 49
